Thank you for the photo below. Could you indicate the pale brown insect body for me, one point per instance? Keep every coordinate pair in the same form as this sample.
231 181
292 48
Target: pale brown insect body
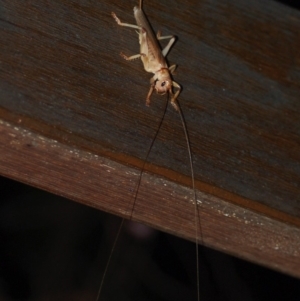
153 57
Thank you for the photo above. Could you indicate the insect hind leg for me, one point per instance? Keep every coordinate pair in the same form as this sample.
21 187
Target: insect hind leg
132 57
124 24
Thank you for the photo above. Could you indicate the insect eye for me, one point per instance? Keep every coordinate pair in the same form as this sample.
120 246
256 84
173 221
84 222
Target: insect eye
163 84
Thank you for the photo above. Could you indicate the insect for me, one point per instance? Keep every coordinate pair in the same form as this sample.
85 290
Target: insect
152 57
154 61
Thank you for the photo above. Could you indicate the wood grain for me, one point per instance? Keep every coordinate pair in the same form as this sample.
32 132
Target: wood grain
74 120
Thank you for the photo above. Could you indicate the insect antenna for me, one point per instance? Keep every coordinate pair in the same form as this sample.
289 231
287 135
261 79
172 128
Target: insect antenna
132 205
197 215
146 158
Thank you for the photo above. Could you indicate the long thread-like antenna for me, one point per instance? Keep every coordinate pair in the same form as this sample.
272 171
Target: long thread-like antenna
132 205
194 191
146 159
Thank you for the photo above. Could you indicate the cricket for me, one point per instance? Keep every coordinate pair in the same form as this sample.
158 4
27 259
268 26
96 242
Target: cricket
153 58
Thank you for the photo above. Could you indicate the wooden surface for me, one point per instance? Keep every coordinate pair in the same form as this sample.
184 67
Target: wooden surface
74 120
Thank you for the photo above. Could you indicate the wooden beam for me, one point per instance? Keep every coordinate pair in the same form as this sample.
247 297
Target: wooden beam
74 121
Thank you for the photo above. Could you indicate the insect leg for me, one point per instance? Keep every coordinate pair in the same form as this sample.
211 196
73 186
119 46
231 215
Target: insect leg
174 97
171 42
132 57
124 24
172 68
149 95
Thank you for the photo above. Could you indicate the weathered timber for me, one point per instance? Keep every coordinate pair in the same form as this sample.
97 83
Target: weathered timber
74 120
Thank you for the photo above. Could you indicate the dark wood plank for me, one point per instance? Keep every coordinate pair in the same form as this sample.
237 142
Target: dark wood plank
74 120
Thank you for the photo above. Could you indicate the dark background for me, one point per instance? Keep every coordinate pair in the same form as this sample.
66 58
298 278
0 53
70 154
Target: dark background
55 249
291 3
